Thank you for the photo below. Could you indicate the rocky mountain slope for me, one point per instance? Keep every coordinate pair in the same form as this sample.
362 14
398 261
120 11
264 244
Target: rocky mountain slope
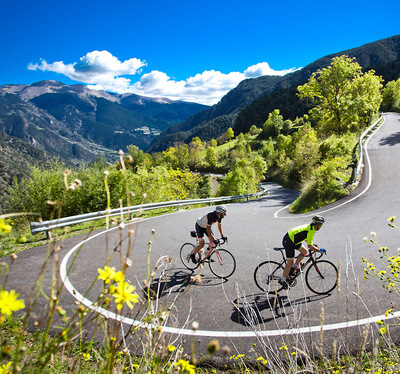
78 124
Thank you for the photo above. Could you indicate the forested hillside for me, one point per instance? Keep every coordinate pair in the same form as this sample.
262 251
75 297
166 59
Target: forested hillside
16 157
258 97
387 52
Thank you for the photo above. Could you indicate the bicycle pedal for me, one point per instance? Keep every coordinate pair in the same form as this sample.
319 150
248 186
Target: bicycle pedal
284 284
208 260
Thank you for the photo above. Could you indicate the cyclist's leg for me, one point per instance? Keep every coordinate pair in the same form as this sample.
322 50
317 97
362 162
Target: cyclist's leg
200 236
289 249
303 252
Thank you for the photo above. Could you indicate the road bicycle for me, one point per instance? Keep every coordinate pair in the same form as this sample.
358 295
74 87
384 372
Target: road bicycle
320 275
221 262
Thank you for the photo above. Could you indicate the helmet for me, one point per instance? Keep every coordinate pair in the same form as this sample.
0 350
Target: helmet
318 219
221 209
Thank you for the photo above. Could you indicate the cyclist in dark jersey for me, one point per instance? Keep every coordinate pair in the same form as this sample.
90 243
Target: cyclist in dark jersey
293 240
203 227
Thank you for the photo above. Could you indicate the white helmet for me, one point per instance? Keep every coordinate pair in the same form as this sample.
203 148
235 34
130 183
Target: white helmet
221 209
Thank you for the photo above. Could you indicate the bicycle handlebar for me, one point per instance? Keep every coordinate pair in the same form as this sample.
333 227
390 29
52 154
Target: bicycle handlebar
320 254
220 241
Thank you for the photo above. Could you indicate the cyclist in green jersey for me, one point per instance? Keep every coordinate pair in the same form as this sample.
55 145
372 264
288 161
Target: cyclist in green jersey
293 240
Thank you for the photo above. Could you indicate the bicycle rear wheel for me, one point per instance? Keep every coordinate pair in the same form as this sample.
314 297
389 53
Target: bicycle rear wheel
267 275
321 277
222 263
185 252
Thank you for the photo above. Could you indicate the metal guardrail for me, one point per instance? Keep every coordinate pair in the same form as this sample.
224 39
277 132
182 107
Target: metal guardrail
47 226
359 155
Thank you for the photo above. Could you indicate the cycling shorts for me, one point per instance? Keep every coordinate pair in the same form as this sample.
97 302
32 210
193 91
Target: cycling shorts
200 231
289 246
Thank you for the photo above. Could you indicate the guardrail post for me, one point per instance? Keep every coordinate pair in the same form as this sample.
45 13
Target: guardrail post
48 235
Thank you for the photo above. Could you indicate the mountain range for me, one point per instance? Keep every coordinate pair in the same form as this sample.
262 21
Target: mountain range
253 99
78 124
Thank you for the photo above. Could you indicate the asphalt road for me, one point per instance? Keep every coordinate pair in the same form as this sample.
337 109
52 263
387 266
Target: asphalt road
234 311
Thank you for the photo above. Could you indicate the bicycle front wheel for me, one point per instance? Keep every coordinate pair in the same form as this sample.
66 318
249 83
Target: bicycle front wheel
267 275
321 277
185 253
222 263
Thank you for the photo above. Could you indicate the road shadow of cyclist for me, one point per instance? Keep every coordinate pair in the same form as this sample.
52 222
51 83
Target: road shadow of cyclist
178 282
167 284
247 309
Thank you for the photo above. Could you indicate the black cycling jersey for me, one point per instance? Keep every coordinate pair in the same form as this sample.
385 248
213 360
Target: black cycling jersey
208 219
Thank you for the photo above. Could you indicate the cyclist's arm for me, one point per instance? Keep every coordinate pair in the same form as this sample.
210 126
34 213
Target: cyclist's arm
210 234
220 229
313 247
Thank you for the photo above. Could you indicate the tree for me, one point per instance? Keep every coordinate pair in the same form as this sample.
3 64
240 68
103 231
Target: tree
391 96
136 157
211 157
229 134
305 155
344 98
213 143
273 125
196 146
177 158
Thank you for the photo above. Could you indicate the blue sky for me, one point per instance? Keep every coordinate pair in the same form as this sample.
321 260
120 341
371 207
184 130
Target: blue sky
189 50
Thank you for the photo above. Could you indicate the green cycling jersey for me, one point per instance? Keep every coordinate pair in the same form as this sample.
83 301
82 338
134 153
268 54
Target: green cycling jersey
302 233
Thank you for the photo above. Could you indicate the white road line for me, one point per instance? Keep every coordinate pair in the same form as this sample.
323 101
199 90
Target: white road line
210 333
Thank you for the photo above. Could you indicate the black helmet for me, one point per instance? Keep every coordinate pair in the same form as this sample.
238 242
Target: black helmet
318 219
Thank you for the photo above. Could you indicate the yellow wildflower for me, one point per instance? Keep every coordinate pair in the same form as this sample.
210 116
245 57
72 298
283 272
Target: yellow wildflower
123 293
9 302
185 367
4 228
106 274
263 361
5 369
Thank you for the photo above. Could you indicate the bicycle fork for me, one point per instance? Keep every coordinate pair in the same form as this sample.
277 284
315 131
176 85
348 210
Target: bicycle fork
220 260
317 270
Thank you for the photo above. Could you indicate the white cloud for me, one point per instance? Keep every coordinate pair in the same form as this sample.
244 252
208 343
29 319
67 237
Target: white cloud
263 68
102 70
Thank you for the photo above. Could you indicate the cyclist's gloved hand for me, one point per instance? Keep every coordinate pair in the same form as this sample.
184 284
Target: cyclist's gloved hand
322 250
216 242
224 238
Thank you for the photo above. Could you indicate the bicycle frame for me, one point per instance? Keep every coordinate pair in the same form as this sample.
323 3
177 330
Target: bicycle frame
213 248
222 264
320 275
311 257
